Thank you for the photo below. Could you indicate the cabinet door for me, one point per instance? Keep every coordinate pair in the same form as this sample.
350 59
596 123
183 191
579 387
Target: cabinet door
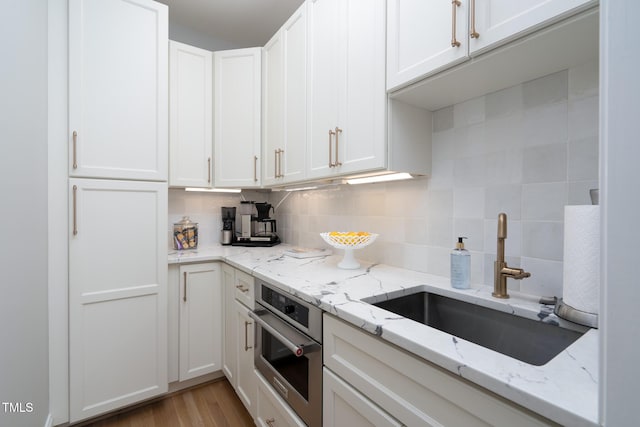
285 101
246 378
362 102
323 80
419 38
272 108
118 89
190 116
346 120
272 410
231 333
500 21
237 104
342 405
200 320
117 294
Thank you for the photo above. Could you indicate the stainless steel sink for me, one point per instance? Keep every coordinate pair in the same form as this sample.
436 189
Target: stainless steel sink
524 339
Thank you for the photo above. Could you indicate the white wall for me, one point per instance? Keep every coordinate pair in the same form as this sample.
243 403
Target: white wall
620 196
24 364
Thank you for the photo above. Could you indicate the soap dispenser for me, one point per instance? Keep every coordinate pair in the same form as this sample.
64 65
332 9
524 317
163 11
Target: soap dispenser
460 266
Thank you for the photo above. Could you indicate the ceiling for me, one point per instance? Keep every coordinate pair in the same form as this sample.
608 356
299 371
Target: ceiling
241 23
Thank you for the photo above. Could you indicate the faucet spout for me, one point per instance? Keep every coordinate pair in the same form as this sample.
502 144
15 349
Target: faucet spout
501 270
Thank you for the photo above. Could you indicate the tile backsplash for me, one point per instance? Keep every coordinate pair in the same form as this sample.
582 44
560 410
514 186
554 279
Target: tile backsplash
527 150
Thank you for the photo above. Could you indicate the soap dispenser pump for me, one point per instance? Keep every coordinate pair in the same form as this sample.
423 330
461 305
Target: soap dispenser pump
460 266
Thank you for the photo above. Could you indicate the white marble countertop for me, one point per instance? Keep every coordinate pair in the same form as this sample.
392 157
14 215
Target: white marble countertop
564 390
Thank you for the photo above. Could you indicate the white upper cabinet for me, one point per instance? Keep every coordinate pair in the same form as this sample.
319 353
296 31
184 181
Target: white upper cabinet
284 102
237 105
190 116
500 21
346 116
118 89
424 37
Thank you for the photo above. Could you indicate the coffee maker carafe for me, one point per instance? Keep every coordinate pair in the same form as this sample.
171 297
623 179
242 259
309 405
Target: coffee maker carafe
228 225
266 225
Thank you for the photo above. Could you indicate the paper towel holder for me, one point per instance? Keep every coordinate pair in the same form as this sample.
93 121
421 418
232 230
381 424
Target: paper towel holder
574 315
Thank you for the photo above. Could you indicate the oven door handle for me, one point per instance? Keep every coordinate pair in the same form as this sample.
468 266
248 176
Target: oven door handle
297 349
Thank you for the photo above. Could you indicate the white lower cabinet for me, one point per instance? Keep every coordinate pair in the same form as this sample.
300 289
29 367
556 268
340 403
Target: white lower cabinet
342 405
200 320
239 341
117 294
272 411
410 390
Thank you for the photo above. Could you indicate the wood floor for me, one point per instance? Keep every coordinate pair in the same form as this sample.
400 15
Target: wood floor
213 404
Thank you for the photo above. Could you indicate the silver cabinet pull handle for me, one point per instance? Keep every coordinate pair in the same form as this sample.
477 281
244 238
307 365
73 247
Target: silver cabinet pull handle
184 296
454 41
75 143
473 34
270 422
331 164
337 133
246 336
75 218
242 288
209 170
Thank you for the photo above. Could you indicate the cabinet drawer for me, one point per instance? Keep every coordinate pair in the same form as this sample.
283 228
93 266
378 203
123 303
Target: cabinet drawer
410 389
272 410
244 289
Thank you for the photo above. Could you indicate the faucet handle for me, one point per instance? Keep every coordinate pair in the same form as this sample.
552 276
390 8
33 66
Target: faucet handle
502 225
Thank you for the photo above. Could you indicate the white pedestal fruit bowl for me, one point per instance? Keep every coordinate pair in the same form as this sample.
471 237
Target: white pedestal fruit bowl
349 241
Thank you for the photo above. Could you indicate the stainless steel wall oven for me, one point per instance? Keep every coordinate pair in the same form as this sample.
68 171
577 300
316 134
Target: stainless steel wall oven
288 351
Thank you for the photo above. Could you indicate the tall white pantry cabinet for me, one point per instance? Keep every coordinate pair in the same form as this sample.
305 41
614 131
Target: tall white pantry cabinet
118 135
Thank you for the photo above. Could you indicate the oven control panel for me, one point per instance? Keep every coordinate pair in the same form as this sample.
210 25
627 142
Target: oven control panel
286 305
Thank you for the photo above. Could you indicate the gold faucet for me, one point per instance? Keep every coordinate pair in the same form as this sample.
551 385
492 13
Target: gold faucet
501 270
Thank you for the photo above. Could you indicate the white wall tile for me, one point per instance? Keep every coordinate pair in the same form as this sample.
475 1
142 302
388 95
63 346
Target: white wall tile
546 277
439 231
546 124
468 112
504 133
503 167
544 202
583 118
469 172
468 203
546 90
503 198
443 119
546 163
504 102
543 240
583 80
582 159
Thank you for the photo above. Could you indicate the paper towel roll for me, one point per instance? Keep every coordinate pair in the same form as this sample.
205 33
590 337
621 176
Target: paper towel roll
581 272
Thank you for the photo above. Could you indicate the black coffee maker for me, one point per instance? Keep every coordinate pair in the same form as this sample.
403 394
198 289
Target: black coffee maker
228 225
266 225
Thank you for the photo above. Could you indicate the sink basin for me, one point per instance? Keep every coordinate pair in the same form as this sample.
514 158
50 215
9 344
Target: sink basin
527 340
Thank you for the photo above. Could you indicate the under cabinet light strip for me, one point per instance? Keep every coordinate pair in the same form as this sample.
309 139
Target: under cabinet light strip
214 190
379 178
